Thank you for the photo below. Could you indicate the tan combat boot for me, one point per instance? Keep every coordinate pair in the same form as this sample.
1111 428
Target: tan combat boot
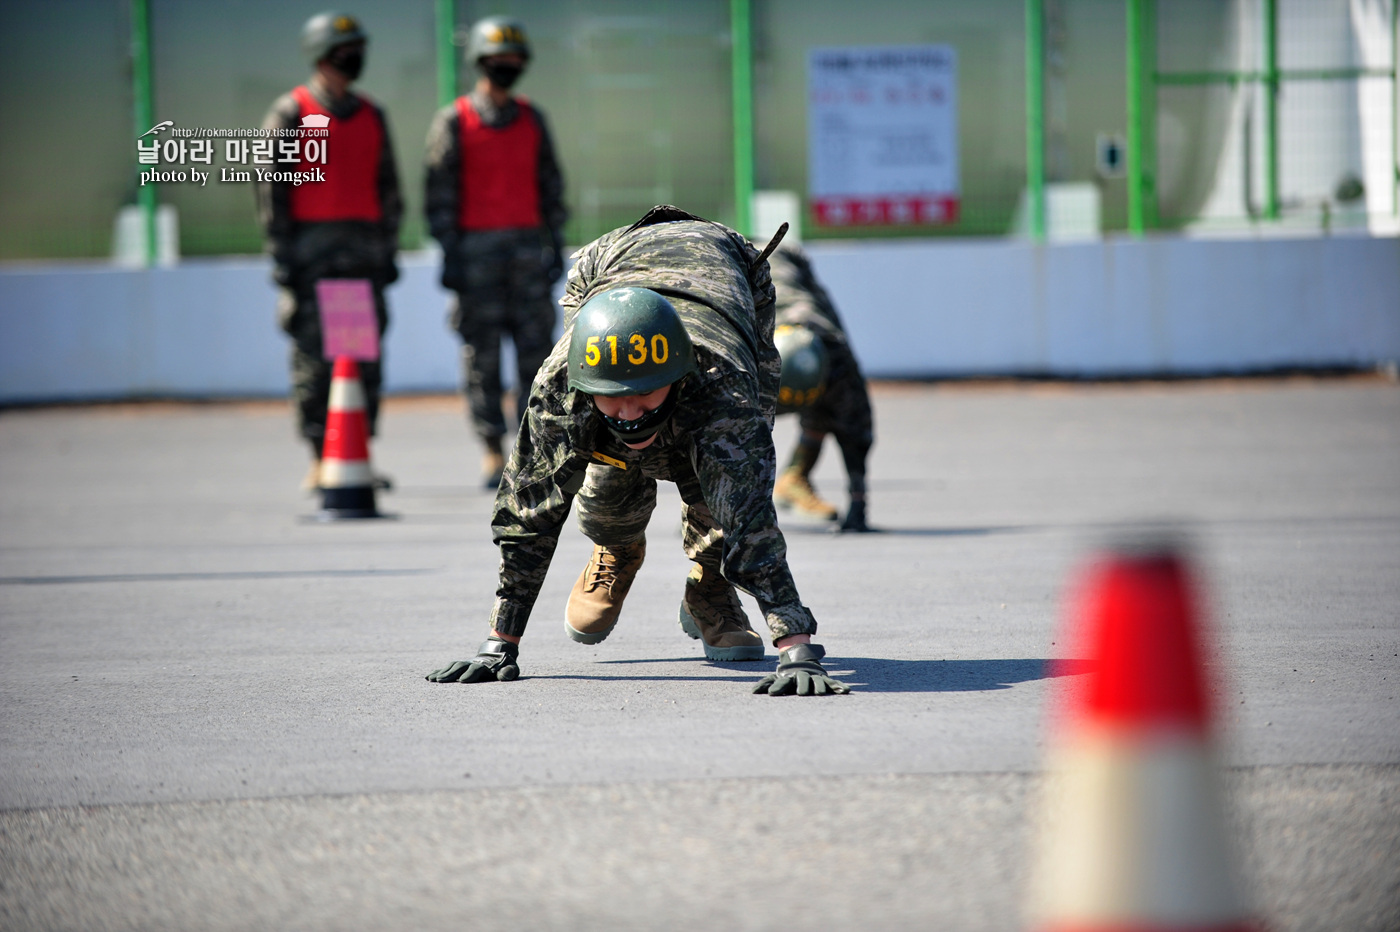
597 598
794 490
711 611
493 464
311 482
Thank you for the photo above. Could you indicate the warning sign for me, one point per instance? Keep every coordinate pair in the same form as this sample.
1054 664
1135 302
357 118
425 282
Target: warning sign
883 135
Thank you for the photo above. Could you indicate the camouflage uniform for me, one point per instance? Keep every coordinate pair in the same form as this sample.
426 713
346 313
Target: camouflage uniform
305 253
717 446
501 278
843 410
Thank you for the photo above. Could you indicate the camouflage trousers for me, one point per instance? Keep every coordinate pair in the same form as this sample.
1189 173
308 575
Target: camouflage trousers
615 506
844 411
300 317
505 292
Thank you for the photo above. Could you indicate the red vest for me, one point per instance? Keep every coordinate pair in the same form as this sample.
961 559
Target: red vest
351 188
499 188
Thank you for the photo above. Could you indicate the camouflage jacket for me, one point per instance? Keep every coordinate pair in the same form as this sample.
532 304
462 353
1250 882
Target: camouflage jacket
717 447
351 248
442 177
802 301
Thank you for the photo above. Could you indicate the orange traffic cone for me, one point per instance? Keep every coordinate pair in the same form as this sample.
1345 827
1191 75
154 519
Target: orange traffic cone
347 485
1133 833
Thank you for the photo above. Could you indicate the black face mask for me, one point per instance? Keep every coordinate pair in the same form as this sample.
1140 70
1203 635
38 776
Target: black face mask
502 75
639 429
348 60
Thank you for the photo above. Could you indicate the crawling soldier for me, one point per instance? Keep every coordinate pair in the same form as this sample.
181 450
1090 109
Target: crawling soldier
666 370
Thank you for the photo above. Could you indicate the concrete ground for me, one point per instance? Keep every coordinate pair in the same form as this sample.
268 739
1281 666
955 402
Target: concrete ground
213 713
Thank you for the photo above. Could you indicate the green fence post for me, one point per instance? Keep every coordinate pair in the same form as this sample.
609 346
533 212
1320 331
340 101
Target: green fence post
1271 89
741 64
1395 108
1035 118
144 110
1142 116
446 29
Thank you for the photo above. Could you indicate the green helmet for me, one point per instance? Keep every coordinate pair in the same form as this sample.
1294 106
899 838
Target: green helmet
497 35
628 341
325 31
804 367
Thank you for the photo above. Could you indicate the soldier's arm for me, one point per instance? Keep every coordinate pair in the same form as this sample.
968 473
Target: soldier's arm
735 464
274 198
390 195
535 496
442 175
551 180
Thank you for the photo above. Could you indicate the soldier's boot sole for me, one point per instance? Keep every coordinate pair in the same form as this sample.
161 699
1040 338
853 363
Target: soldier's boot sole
794 491
595 603
753 650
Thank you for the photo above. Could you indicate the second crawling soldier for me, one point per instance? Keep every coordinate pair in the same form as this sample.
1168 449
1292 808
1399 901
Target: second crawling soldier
666 370
822 383
494 201
346 226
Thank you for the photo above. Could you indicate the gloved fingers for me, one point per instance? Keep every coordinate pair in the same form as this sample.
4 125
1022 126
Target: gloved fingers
449 673
764 683
783 685
804 683
838 687
478 673
820 685
507 673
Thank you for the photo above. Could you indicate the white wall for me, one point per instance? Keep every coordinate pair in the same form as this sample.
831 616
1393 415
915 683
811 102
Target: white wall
913 308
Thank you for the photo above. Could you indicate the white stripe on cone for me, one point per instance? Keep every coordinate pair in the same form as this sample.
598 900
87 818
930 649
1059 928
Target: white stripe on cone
344 474
347 395
1134 837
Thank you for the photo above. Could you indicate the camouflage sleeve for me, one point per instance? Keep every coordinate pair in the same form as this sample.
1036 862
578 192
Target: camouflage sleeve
736 465
442 174
550 179
390 196
536 493
274 198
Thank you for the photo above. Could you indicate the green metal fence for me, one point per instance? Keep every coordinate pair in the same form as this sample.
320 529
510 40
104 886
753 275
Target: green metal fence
1289 153
1221 115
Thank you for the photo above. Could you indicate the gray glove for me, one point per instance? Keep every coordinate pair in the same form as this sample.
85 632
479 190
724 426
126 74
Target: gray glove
800 673
495 660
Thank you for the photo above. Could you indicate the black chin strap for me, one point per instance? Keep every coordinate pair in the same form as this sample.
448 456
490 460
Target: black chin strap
639 429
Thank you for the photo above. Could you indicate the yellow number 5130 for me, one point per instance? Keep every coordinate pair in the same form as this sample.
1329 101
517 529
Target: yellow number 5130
660 349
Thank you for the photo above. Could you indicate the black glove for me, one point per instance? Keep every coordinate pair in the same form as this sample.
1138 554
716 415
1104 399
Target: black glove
495 660
554 256
855 518
453 277
800 673
284 272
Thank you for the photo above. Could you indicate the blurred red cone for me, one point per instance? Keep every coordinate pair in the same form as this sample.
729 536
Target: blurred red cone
347 484
1133 833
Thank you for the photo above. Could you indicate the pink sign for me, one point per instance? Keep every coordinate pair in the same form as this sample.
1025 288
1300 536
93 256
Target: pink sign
348 325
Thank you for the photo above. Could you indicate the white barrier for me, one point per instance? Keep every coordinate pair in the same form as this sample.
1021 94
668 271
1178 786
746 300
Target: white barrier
919 309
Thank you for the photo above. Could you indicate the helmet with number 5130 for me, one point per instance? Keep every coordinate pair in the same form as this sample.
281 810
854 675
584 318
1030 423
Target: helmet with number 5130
628 341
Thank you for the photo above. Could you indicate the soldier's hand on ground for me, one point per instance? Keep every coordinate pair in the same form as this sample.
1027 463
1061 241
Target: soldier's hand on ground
495 660
855 519
800 673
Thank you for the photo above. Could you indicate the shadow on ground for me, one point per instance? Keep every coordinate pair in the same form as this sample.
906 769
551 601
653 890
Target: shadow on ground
873 674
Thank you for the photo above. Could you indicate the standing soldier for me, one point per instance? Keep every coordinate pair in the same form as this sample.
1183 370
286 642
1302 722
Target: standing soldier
495 201
822 383
346 226
666 370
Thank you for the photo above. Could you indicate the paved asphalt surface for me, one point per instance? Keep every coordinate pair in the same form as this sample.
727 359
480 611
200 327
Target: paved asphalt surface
213 713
